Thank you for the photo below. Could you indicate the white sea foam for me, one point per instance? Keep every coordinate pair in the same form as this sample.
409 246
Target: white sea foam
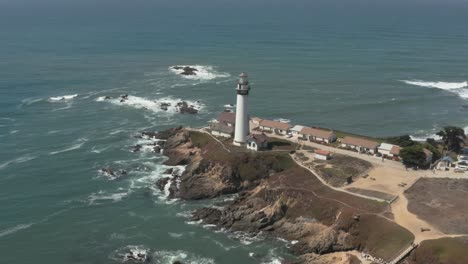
176 235
79 143
153 105
272 258
134 251
423 135
94 198
203 73
63 98
163 257
18 160
439 85
458 88
229 106
30 101
14 229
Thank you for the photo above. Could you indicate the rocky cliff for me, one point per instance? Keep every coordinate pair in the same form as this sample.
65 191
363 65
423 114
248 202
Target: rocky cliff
278 198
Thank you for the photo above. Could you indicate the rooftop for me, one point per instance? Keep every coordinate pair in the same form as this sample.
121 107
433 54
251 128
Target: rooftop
322 152
222 128
316 132
355 141
275 124
227 117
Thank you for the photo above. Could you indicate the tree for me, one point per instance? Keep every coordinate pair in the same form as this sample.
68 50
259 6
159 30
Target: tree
435 152
402 141
414 156
453 138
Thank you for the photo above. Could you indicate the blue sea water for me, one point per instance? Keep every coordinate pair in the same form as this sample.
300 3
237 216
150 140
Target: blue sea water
377 69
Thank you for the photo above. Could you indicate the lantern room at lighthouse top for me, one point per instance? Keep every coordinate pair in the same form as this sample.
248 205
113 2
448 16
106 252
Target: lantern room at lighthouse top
243 86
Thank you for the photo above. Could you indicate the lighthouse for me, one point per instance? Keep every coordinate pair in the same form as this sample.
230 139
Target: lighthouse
242 116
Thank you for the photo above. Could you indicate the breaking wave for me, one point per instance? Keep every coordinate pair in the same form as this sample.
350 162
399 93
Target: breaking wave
166 257
94 198
158 105
79 144
14 229
422 136
203 73
62 98
453 87
17 161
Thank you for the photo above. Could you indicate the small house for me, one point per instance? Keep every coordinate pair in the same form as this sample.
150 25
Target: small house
275 126
221 130
227 118
445 163
360 144
389 150
317 134
322 154
257 142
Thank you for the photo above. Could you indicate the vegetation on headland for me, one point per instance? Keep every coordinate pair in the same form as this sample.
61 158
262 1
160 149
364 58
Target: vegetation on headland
441 251
453 138
412 152
278 197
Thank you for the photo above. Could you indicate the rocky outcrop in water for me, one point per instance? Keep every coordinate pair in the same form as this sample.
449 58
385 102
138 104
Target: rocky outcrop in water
186 70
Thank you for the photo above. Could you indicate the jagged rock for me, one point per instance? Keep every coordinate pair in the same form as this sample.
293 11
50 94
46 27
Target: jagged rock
208 215
137 148
168 171
161 183
186 70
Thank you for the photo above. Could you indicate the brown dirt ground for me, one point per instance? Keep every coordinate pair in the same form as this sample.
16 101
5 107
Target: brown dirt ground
441 202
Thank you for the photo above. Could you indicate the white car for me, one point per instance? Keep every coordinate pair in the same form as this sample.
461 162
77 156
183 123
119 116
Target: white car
461 167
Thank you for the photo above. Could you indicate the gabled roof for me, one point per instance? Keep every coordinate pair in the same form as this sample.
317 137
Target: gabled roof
227 117
386 146
395 150
222 128
275 124
258 138
447 158
322 152
361 142
316 132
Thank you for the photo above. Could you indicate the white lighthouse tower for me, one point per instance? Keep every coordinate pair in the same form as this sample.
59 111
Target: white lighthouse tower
242 116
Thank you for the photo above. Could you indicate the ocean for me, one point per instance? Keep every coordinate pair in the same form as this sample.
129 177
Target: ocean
378 69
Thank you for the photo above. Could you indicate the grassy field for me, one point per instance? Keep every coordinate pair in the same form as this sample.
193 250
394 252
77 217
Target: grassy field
441 251
341 168
310 198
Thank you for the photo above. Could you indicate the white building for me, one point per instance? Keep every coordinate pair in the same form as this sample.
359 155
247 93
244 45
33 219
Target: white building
322 154
257 142
242 116
360 144
389 150
317 134
221 130
275 126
